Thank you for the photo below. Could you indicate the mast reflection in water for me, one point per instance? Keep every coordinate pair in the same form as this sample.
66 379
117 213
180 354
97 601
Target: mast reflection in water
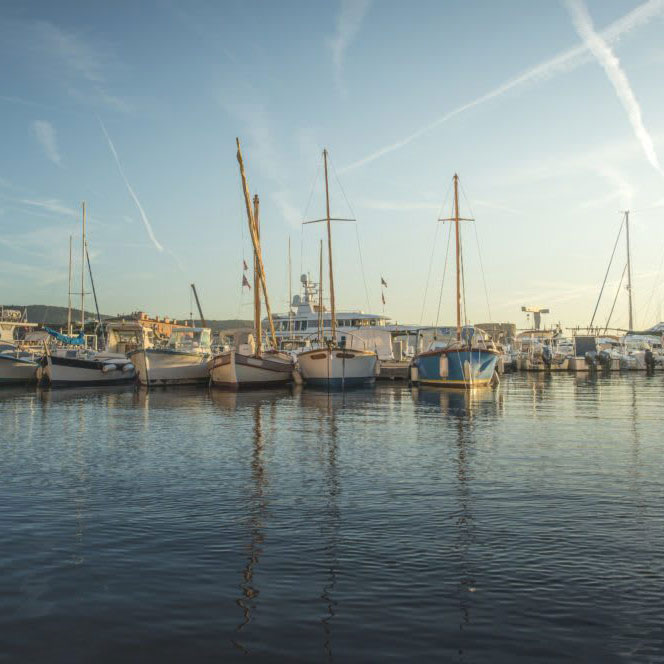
518 524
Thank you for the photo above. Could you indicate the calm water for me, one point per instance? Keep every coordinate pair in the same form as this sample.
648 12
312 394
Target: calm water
518 525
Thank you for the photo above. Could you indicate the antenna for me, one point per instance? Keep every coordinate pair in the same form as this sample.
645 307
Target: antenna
537 314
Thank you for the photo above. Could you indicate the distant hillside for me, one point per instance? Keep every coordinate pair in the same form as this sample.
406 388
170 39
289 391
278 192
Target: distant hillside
51 315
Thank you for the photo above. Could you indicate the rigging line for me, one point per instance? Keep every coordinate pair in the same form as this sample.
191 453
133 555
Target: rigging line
615 299
433 250
463 282
479 251
357 233
442 283
615 246
654 288
426 286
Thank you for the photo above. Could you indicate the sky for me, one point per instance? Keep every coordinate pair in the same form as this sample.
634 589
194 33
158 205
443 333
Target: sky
549 112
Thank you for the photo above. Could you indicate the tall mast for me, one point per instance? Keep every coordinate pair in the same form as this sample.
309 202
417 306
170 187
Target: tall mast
290 293
257 293
458 257
320 294
255 241
329 252
83 275
69 298
629 273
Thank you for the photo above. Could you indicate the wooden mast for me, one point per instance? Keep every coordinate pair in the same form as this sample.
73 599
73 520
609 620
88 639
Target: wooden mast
329 253
456 219
257 293
458 257
69 299
255 241
83 275
290 293
629 273
320 294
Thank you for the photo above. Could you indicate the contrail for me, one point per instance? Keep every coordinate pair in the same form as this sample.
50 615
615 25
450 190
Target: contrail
601 50
561 62
141 211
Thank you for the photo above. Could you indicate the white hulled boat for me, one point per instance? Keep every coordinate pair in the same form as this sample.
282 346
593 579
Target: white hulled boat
74 364
17 364
184 361
249 365
332 365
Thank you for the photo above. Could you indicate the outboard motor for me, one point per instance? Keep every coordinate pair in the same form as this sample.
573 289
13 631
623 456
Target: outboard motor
547 356
650 361
604 359
591 359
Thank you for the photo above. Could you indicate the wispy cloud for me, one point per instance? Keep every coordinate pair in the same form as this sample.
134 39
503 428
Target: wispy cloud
52 205
78 62
44 132
141 211
622 191
349 21
564 61
397 206
611 65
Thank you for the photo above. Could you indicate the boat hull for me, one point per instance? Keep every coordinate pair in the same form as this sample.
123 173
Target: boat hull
456 368
161 366
74 371
16 370
338 368
233 370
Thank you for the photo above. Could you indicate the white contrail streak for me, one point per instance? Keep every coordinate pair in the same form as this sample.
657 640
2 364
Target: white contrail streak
141 211
564 61
601 50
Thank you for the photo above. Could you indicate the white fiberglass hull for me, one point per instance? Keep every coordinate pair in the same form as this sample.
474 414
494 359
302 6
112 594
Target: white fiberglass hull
162 366
234 370
95 369
15 370
338 367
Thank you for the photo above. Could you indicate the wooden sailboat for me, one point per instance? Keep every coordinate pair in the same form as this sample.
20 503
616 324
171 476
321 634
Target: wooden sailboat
468 361
259 367
331 365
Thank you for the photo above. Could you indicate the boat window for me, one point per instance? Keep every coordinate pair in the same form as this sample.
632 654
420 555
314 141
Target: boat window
372 322
304 324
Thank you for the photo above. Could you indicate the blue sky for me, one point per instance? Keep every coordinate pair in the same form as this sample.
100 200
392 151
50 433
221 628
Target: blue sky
549 112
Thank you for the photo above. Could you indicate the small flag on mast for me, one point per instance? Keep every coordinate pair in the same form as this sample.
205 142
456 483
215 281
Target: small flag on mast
245 282
244 263
383 296
383 282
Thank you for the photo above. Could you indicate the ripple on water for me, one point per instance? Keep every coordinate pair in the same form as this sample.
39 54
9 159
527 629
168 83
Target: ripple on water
392 523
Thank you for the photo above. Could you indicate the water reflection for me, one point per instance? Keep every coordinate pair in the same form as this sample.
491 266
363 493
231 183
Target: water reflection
461 410
257 509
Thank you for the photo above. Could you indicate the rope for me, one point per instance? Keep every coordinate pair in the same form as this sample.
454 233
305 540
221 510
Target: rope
433 249
442 283
357 233
479 252
615 299
426 287
592 320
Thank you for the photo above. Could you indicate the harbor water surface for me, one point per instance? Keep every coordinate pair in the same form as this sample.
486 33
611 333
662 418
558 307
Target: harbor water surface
519 524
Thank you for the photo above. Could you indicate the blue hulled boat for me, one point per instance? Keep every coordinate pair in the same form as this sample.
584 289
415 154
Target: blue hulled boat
466 359
460 364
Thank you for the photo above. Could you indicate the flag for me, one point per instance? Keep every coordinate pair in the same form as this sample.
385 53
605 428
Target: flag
244 263
383 296
245 282
383 282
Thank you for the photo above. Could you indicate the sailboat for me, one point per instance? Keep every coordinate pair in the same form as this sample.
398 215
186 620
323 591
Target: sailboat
469 360
333 365
74 363
253 366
